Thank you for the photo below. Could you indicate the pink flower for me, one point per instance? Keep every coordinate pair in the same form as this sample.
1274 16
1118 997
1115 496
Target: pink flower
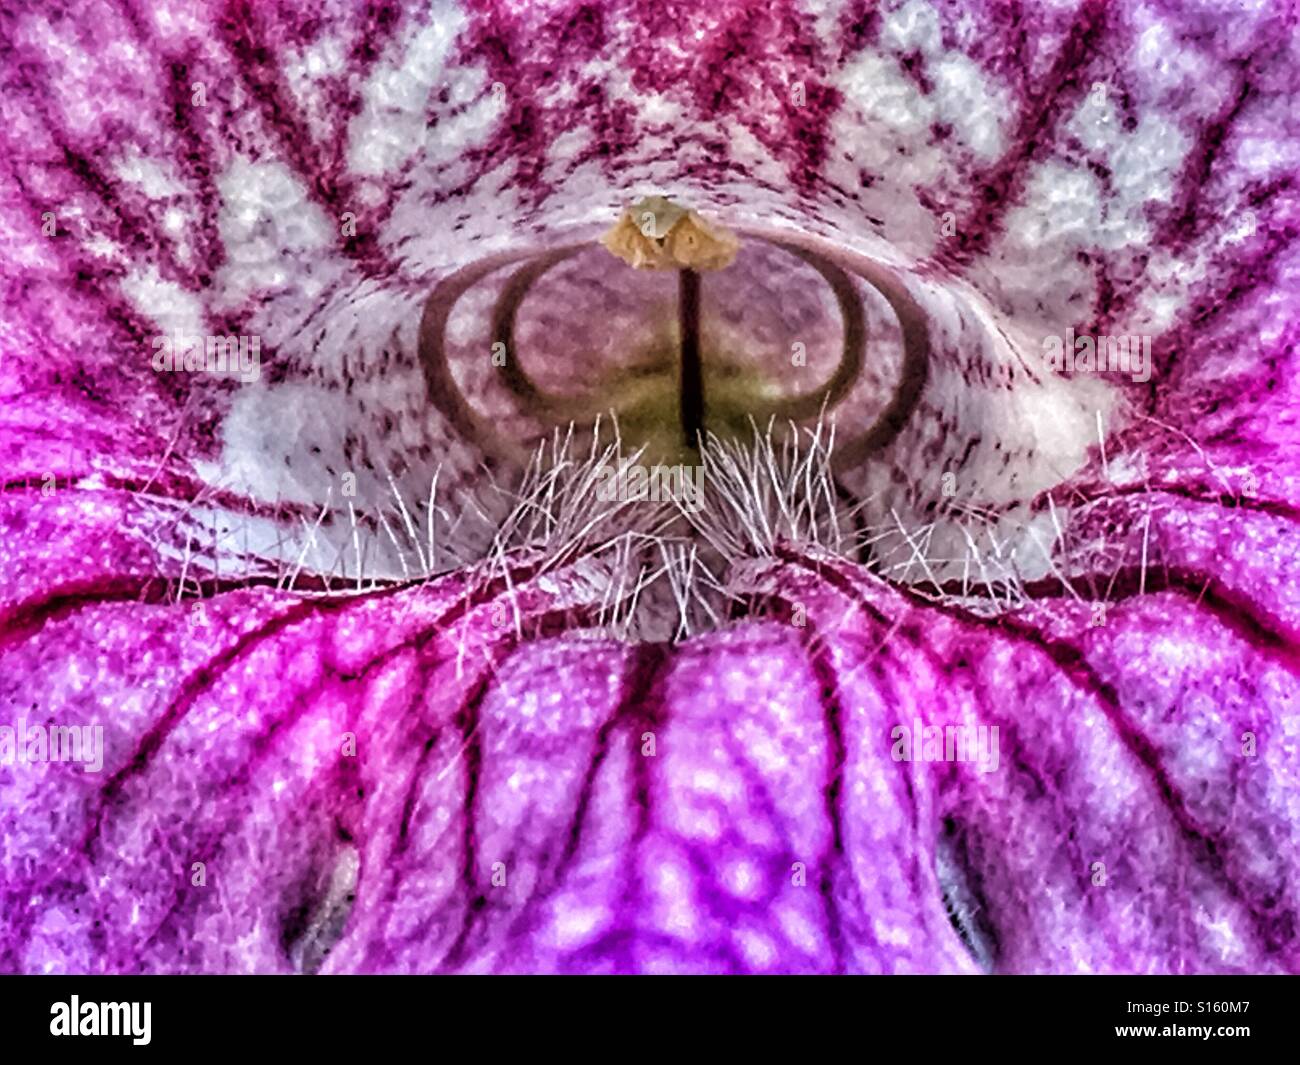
989 663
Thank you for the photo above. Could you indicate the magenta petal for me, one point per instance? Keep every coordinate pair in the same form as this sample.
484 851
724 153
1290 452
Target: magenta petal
733 804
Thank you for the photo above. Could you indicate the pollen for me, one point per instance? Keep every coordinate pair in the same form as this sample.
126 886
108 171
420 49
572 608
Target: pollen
657 234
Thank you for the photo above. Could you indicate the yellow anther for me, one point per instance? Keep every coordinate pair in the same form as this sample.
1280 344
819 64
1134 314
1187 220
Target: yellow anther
657 234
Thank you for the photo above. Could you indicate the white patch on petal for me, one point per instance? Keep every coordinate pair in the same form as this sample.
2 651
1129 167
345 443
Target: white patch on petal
175 310
964 97
152 176
970 103
886 98
913 26
391 127
320 59
266 221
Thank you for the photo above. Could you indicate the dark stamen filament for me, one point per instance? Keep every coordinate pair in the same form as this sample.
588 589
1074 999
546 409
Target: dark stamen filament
692 380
